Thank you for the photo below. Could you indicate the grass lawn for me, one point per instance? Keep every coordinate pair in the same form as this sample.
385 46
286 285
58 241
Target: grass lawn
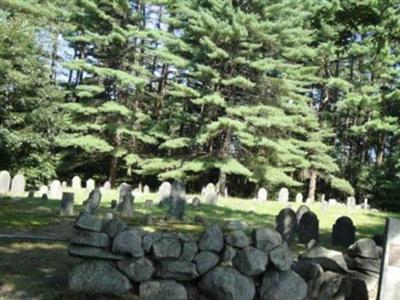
39 270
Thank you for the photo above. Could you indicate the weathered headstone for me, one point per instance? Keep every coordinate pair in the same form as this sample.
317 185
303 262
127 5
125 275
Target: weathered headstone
286 224
365 204
262 195
93 201
177 204
18 184
5 181
76 182
107 185
64 185
31 195
55 190
164 192
301 211
125 205
389 284
332 202
343 232
146 189
90 185
308 227
124 189
67 204
351 202
44 189
212 198
299 198
196 201
283 195
210 188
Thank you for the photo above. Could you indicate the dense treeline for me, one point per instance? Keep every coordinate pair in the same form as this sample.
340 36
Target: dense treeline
270 93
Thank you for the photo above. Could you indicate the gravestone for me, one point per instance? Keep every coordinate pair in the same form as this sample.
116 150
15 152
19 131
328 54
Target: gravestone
64 185
389 284
90 185
299 198
332 202
351 202
301 211
126 199
76 183
365 204
44 197
146 189
164 192
107 185
31 195
93 201
343 232
139 188
210 188
44 189
283 195
177 204
203 191
308 227
262 195
5 181
67 204
286 224
18 184
196 201
212 198
55 191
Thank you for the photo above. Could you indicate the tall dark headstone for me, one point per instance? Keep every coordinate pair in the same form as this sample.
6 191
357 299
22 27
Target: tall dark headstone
67 204
286 224
308 227
125 202
177 204
301 211
93 201
343 232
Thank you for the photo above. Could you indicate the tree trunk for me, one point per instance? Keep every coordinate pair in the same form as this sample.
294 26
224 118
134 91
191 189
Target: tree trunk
113 170
381 151
312 185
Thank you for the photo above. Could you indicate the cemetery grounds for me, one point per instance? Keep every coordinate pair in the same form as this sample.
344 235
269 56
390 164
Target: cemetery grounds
39 269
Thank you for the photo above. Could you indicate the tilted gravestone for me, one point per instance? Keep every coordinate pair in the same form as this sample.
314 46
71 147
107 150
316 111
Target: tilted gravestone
343 232
164 192
177 204
18 184
76 183
262 195
299 198
283 195
55 191
67 204
126 199
308 227
5 181
389 284
93 201
286 224
90 185
146 189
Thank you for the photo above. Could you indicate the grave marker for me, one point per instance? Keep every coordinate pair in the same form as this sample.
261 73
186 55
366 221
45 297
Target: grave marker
262 195
178 200
299 198
55 191
18 184
76 183
90 185
283 195
5 181
67 204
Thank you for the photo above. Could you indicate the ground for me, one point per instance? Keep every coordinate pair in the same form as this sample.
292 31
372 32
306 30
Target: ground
38 270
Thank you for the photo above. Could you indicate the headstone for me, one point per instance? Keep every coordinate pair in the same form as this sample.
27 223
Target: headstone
164 192
67 204
283 195
343 232
299 198
55 190
64 185
18 184
140 187
308 228
124 189
301 211
146 189
44 189
177 204
389 284
332 202
31 195
286 224
44 197
212 198
322 199
210 188
365 204
351 202
196 201
262 195
76 183
5 181
125 205
93 201
107 185
90 185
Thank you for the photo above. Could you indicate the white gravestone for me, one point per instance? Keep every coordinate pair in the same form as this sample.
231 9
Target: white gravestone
44 189
18 184
283 195
106 185
164 191
5 181
55 191
146 189
262 195
299 198
90 185
76 183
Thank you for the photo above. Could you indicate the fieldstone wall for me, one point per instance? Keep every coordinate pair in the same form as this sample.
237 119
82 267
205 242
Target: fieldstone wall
234 264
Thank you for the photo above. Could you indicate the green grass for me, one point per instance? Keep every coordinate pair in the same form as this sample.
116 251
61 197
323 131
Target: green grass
39 270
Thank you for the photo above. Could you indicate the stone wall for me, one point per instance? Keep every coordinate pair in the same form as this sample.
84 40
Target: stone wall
223 265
